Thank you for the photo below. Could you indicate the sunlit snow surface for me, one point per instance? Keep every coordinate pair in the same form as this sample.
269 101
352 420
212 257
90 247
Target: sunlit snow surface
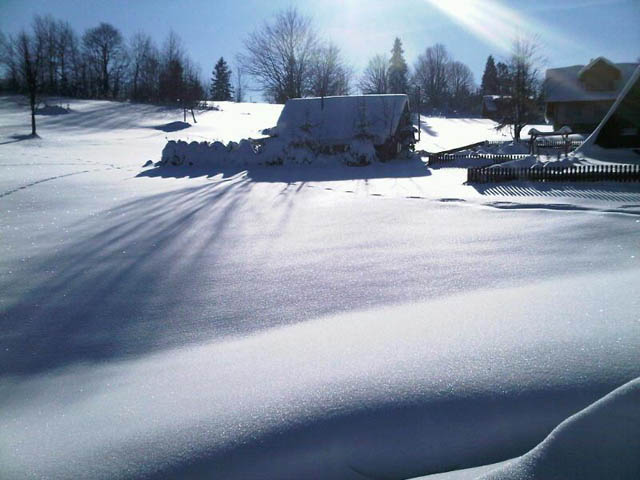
291 324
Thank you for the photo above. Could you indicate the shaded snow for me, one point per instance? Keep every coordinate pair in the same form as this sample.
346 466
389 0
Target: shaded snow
601 441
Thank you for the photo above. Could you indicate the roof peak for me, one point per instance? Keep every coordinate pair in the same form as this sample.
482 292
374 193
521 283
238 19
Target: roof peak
594 62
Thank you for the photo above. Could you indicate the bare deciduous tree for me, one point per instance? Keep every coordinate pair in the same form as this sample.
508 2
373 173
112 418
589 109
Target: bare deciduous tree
524 75
29 62
3 48
279 55
329 73
106 52
241 85
430 74
144 66
45 34
375 78
67 44
5 57
460 85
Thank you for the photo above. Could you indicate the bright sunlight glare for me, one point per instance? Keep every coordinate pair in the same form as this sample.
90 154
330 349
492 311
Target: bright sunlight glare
494 22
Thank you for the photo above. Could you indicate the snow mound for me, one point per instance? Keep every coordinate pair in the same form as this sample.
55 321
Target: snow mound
299 150
52 110
172 126
601 441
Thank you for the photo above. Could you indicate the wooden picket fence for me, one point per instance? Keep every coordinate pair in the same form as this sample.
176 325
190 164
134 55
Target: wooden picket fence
591 173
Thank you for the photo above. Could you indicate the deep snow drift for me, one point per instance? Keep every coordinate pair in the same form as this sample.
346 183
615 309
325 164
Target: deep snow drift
602 441
384 321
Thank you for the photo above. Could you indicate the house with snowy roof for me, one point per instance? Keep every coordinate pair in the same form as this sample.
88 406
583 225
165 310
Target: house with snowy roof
495 106
620 128
580 96
334 123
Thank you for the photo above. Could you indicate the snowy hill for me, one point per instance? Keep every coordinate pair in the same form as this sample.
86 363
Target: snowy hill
381 322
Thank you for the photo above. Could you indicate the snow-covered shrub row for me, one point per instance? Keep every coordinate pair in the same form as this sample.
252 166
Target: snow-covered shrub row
271 151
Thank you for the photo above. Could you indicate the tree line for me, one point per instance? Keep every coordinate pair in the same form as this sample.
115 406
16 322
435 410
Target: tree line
100 63
285 57
437 82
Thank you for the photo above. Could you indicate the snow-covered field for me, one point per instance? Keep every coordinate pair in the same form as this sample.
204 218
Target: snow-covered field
376 322
441 133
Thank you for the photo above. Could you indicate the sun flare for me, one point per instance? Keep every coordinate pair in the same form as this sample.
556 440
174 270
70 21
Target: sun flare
494 22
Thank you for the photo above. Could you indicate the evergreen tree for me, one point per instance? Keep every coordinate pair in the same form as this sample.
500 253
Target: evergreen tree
221 89
504 79
490 84
171 82
398 70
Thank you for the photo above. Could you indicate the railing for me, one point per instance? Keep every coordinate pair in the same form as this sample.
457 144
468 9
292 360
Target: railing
452 155
544 143
591 173
487 158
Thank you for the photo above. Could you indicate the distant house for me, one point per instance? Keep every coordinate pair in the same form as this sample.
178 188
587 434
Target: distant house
335 122
620 128
494 106
580 96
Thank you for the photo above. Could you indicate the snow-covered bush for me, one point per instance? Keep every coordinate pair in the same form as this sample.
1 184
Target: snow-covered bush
362 151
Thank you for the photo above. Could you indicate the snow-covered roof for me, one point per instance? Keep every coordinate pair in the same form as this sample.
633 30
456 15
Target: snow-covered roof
564 85
337 120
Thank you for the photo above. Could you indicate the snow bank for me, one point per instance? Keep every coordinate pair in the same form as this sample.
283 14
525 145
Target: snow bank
601 441
52 110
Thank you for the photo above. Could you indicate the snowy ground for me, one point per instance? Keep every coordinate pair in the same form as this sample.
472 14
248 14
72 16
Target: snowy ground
441 133
381 322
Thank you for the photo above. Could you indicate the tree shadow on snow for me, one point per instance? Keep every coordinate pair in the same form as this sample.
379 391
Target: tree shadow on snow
103 116
425 128
19 138
399 168
111 292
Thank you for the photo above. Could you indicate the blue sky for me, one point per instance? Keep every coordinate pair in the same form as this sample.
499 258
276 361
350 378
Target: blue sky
572 31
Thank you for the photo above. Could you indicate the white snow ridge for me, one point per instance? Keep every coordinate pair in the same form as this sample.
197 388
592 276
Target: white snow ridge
601 441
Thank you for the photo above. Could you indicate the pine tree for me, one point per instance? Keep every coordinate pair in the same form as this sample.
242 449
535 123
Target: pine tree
504 79
490 85
398 69
221 89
